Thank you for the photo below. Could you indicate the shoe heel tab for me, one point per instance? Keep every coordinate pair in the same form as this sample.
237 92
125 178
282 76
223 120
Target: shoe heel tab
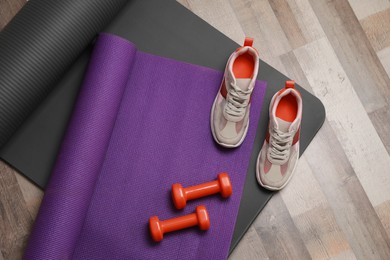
248 41
290 84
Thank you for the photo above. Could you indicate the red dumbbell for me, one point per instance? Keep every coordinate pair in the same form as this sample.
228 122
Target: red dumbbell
222 185
199 218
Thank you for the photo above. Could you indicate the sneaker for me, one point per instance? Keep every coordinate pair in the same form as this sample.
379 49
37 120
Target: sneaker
230 111
279 155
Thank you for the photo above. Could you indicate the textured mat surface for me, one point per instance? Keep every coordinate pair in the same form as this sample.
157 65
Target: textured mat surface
141 123
38 46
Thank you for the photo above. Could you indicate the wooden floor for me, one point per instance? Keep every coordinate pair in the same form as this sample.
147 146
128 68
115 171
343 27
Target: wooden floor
337 206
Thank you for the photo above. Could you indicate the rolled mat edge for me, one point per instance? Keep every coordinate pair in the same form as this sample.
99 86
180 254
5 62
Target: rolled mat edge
83 150
37 47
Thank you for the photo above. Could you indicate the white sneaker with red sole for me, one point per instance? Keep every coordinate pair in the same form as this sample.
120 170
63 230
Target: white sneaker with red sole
230 111
278 157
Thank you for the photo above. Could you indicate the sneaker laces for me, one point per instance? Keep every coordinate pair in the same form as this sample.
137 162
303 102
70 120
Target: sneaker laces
280 145
237 101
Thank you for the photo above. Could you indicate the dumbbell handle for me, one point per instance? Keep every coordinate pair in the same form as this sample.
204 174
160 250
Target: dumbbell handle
201 190
174 224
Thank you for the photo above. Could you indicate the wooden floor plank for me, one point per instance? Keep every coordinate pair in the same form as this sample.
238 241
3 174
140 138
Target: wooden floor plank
371 219
359 139
321 233
294 71
381 121
383 211
288 23
303 193
259 21
348 255
364 8
306 19
384 57
313 215
354 52
377 29
32 195
347 116
8 10
350 205
279 234
15 220
250 247
16 251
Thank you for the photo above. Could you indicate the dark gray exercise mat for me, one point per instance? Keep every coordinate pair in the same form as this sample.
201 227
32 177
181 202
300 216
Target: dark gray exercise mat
38 46
167 29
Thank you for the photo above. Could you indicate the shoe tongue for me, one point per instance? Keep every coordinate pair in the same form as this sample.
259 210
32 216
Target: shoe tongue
283 126
243 83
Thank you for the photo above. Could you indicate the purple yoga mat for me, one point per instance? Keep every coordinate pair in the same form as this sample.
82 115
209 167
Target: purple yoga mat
141 123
